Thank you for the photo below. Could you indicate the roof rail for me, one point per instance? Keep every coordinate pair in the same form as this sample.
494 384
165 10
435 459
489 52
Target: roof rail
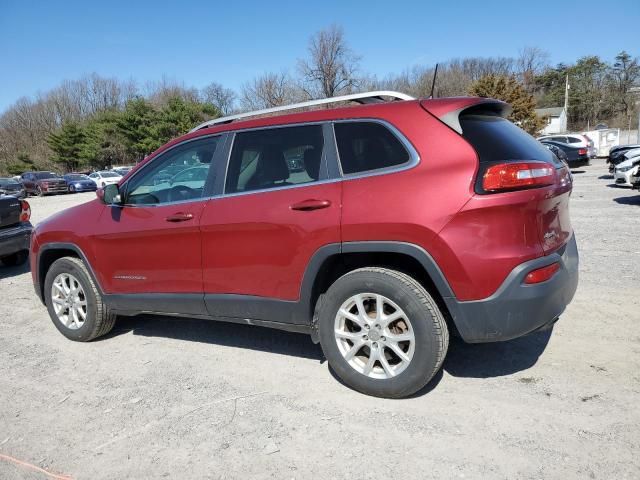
365 97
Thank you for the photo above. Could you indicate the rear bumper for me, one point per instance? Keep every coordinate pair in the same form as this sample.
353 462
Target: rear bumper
517 309
15 239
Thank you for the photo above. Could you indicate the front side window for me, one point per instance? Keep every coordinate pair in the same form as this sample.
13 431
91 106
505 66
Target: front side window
275 157
365 146
177 175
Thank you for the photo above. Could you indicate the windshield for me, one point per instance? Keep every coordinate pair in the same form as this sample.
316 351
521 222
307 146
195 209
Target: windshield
4 182
109 175
76 176
41 175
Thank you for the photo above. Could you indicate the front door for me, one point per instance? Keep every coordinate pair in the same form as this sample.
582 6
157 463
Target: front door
276 212
152 243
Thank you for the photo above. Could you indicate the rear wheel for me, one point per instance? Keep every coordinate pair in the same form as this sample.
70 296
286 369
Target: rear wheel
39 191
74 303
382 332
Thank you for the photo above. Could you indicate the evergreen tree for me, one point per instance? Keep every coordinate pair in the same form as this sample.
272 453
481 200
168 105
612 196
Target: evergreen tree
509 90
67 146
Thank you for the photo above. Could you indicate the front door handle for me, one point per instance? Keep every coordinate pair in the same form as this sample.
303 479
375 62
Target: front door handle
311 204
179 217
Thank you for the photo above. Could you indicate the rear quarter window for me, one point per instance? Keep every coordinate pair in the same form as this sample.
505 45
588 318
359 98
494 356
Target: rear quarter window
366 146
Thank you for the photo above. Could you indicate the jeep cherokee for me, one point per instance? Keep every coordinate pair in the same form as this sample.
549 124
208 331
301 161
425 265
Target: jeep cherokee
411 219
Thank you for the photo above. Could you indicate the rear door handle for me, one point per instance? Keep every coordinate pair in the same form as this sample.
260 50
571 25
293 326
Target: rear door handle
311 204
179 217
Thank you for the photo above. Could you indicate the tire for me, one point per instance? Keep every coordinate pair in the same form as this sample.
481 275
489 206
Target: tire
420 318
15 259
72 189
39 192
99 321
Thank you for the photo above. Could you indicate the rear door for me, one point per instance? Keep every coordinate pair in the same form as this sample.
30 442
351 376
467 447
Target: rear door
152 244
259 236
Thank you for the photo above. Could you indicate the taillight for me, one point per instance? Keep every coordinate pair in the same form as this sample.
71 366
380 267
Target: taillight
582 151
518 175
542 274
25 214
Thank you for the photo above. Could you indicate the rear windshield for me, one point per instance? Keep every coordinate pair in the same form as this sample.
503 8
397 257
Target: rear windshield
496 139
4 182
76 176
109 175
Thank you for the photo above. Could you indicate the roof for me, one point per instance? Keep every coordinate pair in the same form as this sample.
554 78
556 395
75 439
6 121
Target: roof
549 112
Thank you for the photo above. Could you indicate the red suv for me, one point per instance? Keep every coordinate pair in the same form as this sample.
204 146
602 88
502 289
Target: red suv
378 229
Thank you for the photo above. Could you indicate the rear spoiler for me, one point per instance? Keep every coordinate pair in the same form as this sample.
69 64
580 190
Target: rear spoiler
448 110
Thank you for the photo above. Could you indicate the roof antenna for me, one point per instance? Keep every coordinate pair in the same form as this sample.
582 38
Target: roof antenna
433 84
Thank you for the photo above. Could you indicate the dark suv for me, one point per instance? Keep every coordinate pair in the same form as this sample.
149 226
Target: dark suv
410 220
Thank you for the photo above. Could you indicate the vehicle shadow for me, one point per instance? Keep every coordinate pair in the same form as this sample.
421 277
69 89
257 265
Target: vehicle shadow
220 333
605 177
6 272
578 171
630 200
463 359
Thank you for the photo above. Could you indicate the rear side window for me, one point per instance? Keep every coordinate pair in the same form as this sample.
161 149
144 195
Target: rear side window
496 139
275 157
365 146
574 140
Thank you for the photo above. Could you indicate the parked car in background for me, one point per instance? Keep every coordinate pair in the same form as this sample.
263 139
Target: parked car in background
43 183
105 177
574 140
621 156
10 186
576 156
557 151
623 172
635 178
78 182
122 170
335 251
15 230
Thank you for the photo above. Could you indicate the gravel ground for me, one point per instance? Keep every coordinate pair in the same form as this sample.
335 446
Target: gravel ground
162 398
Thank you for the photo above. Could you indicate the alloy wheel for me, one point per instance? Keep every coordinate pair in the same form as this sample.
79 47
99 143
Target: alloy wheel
69 301
374 335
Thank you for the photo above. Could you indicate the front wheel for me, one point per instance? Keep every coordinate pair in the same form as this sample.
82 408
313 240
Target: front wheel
74 303
381 332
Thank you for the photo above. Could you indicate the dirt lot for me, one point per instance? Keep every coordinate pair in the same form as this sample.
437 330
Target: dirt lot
162 398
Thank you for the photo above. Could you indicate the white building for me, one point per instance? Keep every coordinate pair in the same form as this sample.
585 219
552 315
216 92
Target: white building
556 118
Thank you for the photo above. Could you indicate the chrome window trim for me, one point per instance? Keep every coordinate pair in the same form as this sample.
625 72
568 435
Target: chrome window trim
414 158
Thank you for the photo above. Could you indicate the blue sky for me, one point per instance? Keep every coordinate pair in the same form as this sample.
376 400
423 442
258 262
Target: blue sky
43 43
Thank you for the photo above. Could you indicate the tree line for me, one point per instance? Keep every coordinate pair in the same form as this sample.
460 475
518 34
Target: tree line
95 122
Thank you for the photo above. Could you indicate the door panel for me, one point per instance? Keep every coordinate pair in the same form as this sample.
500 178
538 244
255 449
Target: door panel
143 250
256 244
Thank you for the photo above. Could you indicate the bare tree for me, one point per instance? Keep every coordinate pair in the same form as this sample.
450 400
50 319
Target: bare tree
223 98
268 90
332 66
531 61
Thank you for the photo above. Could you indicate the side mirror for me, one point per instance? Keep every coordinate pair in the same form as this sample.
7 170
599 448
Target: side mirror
110 195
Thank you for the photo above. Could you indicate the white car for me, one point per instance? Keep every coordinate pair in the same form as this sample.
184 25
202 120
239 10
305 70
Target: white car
573 139
105 177
635 178
624 171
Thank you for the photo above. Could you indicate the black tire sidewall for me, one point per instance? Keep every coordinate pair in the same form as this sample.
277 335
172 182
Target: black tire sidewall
426 356
67 266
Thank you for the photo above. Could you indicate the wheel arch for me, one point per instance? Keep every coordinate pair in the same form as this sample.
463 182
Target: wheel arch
329 264
51 252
